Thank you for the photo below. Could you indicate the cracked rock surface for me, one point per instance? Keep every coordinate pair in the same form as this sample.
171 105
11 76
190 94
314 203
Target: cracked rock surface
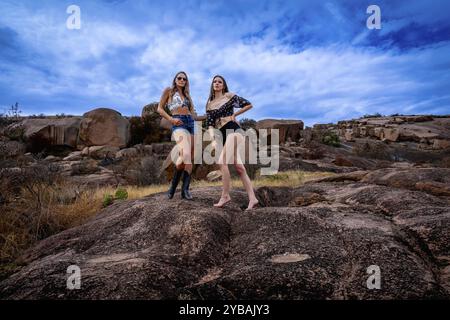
315 241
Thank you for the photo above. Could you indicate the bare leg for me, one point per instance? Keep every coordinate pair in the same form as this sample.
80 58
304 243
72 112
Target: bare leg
187 159
190 166
240 168
226 186
183 140
226 181
242 172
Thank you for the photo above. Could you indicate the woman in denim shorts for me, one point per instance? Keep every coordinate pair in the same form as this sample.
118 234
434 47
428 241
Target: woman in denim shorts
180 110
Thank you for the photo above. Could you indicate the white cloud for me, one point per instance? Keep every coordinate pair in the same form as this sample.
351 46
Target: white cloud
127 66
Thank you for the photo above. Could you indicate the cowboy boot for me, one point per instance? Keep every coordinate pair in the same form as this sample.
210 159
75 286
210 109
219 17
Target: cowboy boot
185 194
175 180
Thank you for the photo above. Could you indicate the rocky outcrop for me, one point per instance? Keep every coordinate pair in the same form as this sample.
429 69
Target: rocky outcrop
73 156
149 109
104 127
57 131
316 241
431 132
100 152
289 130
127 153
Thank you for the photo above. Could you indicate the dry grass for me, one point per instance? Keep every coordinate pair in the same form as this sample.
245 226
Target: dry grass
291 178
286 178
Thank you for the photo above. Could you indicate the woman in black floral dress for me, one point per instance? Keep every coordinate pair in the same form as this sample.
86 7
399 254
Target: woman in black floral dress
220 115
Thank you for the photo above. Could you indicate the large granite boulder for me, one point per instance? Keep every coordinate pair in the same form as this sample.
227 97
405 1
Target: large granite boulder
149 109
57 131
288 129
104 127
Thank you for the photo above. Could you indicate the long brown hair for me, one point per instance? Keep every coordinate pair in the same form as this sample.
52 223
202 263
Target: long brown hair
185 89
211 90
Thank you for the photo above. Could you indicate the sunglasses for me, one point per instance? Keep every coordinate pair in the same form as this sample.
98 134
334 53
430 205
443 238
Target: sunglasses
181 78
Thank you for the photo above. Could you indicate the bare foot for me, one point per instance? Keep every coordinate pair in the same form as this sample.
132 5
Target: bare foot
252 204
222 202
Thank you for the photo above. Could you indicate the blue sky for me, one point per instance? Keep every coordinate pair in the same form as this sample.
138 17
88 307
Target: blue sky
310 60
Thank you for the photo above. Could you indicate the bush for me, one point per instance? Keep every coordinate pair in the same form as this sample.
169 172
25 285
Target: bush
121 194
331 139
108 199
375 115
36 202
26 207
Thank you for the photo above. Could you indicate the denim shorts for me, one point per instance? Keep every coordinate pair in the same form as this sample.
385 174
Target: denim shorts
188 122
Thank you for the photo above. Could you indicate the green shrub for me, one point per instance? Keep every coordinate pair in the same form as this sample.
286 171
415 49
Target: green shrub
121 194
331 139
107 200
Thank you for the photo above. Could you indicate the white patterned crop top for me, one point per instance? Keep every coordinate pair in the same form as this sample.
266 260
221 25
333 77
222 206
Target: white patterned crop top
177 102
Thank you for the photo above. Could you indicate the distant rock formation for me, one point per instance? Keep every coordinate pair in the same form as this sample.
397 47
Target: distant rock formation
99 127
430 132
57 131
289 130
104 127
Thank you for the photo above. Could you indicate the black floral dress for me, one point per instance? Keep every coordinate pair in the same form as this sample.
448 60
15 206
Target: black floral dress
226 110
